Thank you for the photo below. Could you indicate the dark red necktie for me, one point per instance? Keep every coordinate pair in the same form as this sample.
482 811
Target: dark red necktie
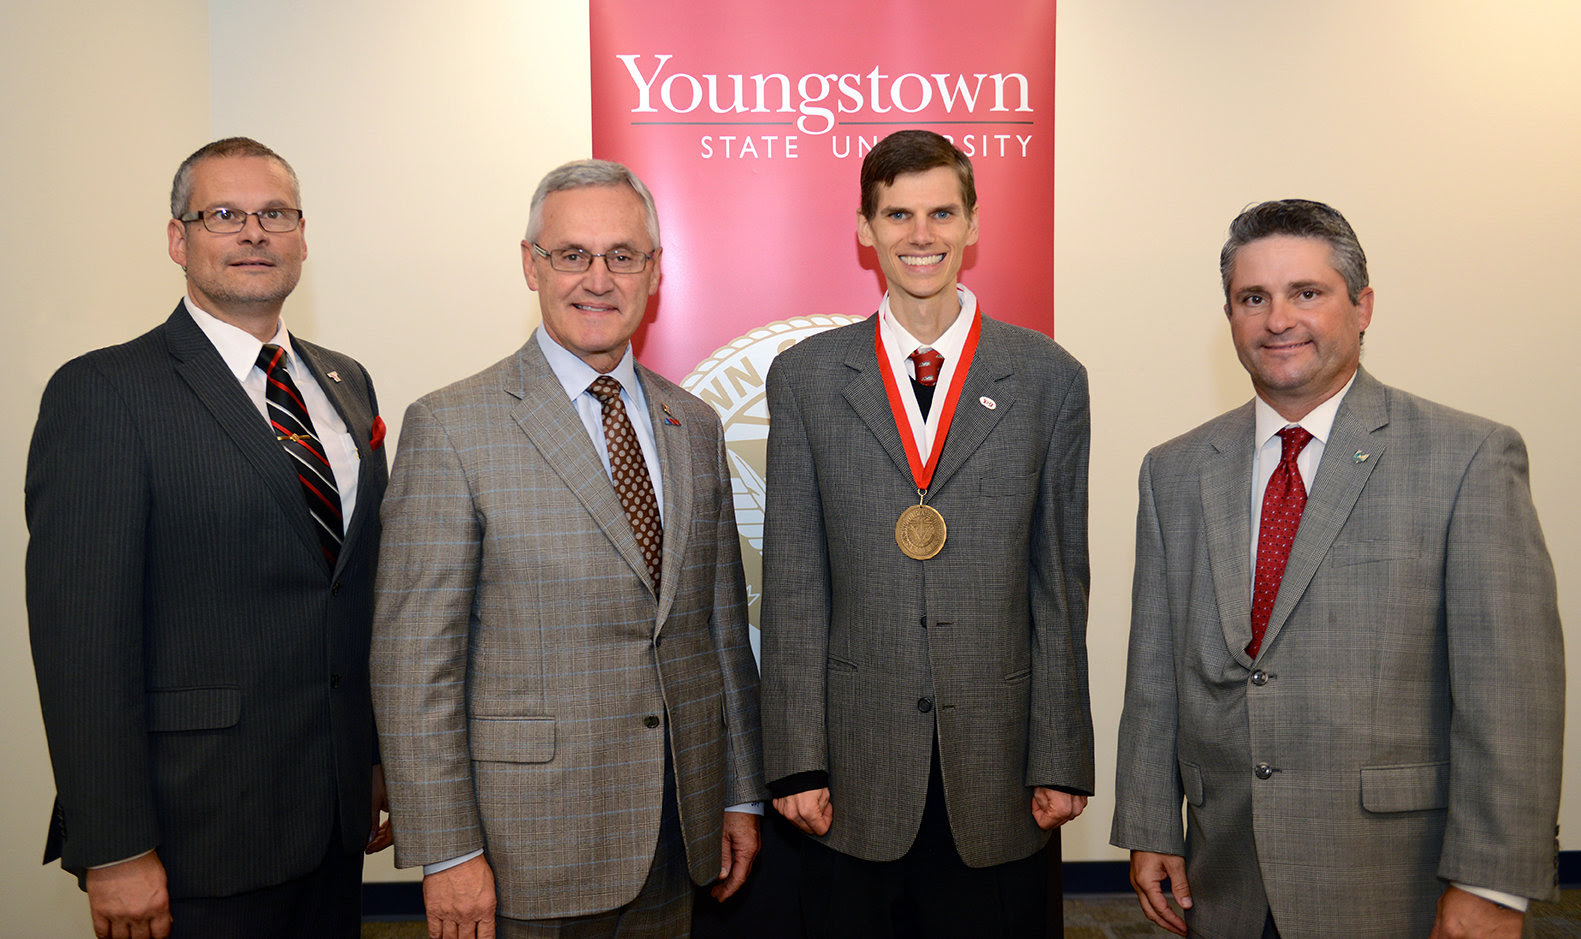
294 429
628 470
1283 502
928 363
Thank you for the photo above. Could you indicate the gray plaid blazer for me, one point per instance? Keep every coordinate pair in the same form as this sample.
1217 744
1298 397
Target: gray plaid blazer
525 673
1408 699
867 653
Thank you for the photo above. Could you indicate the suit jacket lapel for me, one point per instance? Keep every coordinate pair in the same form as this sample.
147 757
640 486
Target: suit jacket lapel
1349 455
200 366
1226 513
988 377
675 466
546 415
865 393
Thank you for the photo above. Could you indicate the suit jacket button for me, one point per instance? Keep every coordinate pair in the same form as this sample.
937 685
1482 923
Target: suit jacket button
334 681
924 705
1263 770
1259 678
652 720
923 622
658 641
334 589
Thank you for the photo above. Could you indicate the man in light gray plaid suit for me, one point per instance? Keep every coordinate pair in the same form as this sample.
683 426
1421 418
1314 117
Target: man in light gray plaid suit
570 722
1376 750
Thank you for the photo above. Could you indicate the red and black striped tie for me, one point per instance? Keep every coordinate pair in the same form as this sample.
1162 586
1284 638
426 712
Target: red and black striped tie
294 429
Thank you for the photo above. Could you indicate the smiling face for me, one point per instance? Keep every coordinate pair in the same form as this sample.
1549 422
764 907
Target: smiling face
244 277
592 314
1294 327
920 229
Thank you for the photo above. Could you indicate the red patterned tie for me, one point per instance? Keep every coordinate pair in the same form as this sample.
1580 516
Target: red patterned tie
1283 502
928 362
629 472
294 429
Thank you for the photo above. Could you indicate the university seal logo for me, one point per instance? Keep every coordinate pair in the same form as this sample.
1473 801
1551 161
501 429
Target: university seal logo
731 381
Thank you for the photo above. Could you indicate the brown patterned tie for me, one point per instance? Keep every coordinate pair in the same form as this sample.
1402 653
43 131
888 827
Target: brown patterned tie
294 429
629 472
1283 502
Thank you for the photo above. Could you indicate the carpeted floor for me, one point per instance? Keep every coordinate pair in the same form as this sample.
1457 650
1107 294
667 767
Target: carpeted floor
1110 916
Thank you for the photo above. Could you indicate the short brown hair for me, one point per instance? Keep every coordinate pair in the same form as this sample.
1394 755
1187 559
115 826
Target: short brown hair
181 187
913 151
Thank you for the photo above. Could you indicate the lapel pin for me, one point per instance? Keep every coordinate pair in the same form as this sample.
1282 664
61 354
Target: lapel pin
988 402
668 417
334 376
1362 457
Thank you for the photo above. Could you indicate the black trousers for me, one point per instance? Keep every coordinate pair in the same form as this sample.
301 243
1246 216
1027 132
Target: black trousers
326 903
929 892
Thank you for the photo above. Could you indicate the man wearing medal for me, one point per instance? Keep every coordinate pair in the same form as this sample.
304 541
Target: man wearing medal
925 711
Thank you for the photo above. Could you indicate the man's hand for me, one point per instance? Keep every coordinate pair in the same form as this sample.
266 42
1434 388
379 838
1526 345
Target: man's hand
738 846
129 900
810 811
1466 914
380 834
1148 873
1052 808
460 901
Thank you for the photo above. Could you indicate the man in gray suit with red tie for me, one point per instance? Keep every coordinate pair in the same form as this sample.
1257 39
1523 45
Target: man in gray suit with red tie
565 688
925 585
1345 645
203 504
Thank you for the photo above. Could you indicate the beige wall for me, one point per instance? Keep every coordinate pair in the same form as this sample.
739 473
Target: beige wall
1447 132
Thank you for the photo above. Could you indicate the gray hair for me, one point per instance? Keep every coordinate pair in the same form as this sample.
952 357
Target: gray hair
181 187
1301 218
582 173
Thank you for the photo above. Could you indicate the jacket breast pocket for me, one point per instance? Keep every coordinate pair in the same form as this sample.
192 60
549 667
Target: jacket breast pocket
1407 787
513 740
1003 487
171 710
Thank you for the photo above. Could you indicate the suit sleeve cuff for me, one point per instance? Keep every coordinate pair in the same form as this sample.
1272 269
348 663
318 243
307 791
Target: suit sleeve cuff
746 808
438 866
1497 896
100 867
799 782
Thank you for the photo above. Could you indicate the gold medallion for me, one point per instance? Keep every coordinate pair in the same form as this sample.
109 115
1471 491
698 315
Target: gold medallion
920 532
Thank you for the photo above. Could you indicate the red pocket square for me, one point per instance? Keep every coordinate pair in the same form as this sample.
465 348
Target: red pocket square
377 440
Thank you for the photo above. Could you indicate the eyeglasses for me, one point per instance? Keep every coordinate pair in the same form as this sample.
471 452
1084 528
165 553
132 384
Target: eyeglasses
578 260
224 221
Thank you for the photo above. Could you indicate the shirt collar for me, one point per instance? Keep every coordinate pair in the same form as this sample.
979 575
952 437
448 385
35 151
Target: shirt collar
1319 422
575 375
901 343
236 346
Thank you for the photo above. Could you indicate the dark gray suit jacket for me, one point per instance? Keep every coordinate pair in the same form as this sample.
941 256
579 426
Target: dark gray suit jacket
867 652
202 673
526 672
1408 698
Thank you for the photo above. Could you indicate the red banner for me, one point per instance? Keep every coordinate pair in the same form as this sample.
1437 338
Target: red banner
749 122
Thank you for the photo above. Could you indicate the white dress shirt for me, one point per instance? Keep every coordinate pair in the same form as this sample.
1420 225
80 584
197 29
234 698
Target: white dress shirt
900 344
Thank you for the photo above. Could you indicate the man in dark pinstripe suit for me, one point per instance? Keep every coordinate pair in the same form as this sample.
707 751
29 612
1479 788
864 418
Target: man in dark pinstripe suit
201 648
